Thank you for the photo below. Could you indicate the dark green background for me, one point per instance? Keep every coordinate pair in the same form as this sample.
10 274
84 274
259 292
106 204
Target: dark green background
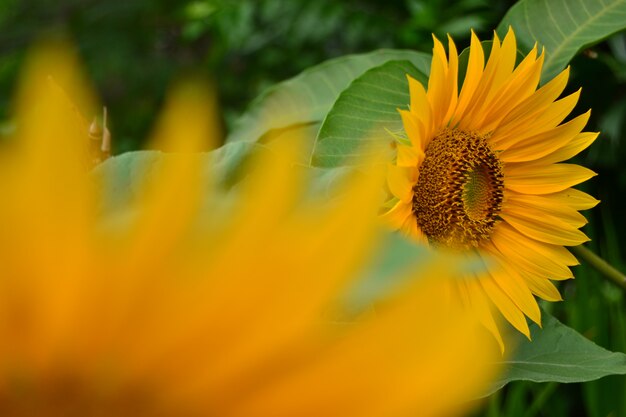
134 49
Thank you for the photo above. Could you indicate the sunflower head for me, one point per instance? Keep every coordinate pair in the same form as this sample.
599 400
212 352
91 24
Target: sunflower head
480 170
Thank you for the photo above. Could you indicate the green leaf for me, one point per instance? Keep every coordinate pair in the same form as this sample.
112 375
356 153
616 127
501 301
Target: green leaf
387 270
560 354
307 97
123 177
305 134
564 27
365 114
323 183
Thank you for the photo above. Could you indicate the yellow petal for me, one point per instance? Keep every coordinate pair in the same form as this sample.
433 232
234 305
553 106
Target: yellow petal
438 95
520 85
528 110
543 228
541 287
574 198
420 108
505 63
46 182
542 205
413 128
473 76
183 127
480 304
513 285
505 305
418 99
411 229
544 179
542 144
483 88
409 156
416 361
398 214
399 182
538 258
526 128
573 148
453 80
498 69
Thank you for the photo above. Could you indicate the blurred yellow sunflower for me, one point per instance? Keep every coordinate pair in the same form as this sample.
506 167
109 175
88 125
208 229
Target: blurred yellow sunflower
176 309
481 172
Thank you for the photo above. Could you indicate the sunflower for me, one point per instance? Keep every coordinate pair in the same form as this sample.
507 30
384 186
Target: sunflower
177 308
481 172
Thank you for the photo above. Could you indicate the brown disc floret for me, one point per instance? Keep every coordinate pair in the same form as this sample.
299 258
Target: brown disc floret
459 192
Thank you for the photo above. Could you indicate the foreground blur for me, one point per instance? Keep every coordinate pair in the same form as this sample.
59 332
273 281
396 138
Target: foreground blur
180 310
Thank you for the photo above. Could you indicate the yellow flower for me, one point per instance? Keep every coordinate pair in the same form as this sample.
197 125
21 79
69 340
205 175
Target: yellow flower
481 172
174 308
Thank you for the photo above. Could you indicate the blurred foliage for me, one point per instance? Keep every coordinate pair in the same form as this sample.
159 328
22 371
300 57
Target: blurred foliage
600 71
133 49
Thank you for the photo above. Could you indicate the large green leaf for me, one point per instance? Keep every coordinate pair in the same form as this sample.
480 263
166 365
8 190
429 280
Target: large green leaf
304 134
307 97
564 27
560 354
365 115
123 177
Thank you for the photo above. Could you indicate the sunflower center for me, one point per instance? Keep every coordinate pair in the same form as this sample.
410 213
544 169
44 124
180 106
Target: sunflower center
459 192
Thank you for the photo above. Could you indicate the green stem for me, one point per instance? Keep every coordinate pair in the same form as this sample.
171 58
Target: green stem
600 265
544 395
493 405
